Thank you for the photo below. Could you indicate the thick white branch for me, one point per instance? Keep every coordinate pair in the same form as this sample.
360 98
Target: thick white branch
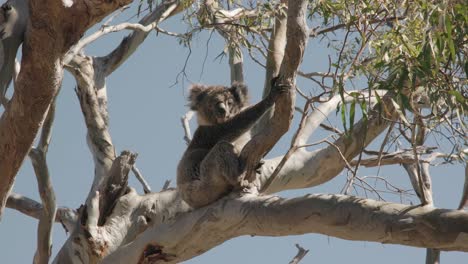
321 113
306 169
340 216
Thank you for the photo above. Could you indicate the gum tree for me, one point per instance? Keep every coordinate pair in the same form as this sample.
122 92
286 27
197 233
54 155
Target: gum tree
407 58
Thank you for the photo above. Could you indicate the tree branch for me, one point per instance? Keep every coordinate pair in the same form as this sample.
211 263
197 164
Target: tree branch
306 169
130 43
339 216
297 38
275 55
46 191
27 206
41 76
300 254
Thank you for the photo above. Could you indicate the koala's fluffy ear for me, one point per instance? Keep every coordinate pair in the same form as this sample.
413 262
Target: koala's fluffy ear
196 94
240 92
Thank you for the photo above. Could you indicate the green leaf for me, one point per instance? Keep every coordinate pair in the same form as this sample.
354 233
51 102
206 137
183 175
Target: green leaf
363 106
400 113
448 28
343 118
458 96
352 112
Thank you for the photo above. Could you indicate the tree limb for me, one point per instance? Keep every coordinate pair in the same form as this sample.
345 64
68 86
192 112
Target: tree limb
339 216
130 43
46 191
297 38
300 254
27 206
41 76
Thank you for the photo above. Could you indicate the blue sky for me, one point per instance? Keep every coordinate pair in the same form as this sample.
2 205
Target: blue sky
145 109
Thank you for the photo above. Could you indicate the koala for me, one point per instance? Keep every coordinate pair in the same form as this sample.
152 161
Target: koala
210 167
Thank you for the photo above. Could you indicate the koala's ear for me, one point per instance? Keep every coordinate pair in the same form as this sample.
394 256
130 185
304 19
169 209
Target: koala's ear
196 94
240 92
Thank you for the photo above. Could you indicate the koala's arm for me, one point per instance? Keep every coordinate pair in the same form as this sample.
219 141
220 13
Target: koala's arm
243 121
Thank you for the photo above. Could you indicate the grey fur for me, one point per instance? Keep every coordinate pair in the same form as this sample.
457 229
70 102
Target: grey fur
210 167
14 15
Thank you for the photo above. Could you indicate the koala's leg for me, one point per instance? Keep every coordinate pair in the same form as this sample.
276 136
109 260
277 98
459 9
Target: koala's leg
218 174
221 164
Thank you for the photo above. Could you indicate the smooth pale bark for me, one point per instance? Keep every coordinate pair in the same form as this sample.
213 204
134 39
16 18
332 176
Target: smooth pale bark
130 44
312 168
346 217
275 55
66 216
261 143
129 228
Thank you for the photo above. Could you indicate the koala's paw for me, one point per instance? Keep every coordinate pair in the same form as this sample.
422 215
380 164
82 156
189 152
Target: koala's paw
258 169
277 88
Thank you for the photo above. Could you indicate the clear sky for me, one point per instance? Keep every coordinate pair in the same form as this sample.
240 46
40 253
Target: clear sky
145 109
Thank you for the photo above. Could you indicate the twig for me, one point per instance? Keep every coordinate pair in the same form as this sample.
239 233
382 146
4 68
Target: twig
185 119
300 255
141 179
166 185
315 33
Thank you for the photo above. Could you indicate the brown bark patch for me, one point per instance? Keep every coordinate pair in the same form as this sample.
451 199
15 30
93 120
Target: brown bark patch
153 253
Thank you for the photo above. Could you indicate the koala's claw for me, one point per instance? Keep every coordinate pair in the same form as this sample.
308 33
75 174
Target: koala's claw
258 169
279 87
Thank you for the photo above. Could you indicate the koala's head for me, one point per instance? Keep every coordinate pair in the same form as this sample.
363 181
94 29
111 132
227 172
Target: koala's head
13 18
217 104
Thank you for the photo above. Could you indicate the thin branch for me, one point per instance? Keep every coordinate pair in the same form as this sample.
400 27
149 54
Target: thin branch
104 31
300 254
185 119
166 185
131 42
27 206
141 179
46 191
314 32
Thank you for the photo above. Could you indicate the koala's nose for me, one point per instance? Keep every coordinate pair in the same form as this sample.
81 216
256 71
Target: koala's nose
222 108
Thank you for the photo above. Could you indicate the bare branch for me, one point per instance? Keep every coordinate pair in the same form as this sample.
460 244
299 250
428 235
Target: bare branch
321 113
314 32
313 168
166 185
91 92
276 46
130 43
185 119
358 219
46 191
27 206
261 143
300 254
141 179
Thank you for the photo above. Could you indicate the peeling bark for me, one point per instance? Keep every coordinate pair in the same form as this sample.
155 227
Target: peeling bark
41 76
